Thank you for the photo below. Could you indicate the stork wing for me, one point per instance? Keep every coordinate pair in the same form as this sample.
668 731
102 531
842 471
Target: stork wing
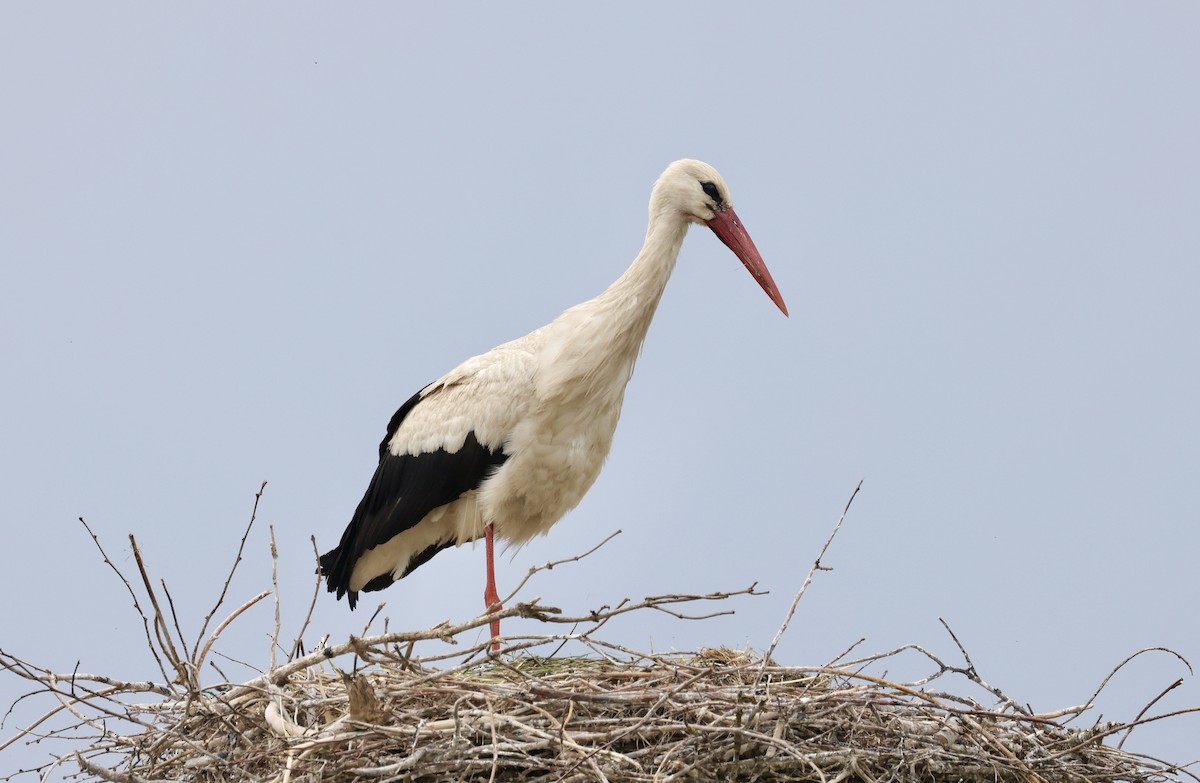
446 440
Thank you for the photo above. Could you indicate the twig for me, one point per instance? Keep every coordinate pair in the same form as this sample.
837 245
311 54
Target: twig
298 643
972 674
846 651
174 616
1103 683
232 569
551 565
110 774
275 592
161 632
199 662
371 619
132 594
816 566
1137 719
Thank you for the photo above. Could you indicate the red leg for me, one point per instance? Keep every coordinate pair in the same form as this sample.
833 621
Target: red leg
490 596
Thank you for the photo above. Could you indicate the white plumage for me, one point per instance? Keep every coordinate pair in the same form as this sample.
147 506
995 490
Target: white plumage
514 437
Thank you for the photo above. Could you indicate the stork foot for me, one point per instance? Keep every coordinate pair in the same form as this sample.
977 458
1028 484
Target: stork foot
492 600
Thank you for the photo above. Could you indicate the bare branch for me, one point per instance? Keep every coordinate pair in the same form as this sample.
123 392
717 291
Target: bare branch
972 674
161 632
199 661
232 569
275 592
1137 719
132 595
550 566
816 566
298 642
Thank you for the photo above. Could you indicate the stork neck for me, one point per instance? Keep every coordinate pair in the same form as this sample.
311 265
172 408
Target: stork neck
638 290
592 347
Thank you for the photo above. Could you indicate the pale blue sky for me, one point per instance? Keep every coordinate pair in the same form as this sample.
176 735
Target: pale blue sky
236 238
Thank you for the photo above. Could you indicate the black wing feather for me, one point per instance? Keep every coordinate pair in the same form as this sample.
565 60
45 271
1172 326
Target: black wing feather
403 491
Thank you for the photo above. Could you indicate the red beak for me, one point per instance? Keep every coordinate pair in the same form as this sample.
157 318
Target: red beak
725 224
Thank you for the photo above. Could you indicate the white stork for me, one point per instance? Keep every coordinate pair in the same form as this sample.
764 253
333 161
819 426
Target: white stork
510 440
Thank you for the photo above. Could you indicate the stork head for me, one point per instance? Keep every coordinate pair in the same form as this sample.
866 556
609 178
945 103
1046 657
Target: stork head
696 192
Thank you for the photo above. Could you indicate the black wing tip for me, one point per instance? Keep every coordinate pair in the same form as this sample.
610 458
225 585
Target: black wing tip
337 577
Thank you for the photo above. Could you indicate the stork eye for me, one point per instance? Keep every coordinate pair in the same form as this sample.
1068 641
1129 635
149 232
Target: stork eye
711 190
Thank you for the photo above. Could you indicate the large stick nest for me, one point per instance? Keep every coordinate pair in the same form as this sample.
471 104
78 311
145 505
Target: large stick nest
714 715
529 712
